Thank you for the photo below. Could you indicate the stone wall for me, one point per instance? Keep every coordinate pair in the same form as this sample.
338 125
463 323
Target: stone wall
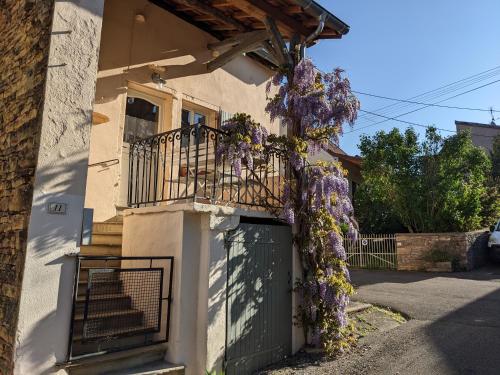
468 250
24 46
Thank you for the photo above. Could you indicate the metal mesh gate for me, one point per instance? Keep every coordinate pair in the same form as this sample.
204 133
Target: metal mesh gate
108 314
119 303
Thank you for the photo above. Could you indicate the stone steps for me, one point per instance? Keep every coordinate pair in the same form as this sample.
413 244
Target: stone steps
101 250
148 360
155 368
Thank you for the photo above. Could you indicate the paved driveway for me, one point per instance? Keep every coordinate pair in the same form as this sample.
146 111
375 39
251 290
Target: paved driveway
454 326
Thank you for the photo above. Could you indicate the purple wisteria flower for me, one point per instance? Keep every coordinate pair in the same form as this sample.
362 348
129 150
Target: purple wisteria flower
245 141
315 107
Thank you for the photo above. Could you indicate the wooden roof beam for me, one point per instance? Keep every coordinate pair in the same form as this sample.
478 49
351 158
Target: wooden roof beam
223 27
242 15
221 3
208 9
184 8
262 9
205 18
294 9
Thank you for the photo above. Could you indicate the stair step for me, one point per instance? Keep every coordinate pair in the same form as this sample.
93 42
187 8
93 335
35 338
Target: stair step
154 368
84 273
108 228
119 217
131 330
119 361
103 297
108 314
100 264
106 239
101 250
101 287
104 302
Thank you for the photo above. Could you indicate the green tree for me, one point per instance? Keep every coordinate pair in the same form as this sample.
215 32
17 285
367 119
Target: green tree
491 201
387 174
495 157
463 171
436 185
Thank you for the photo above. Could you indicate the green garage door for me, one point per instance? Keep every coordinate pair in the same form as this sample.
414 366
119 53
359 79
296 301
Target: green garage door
259 300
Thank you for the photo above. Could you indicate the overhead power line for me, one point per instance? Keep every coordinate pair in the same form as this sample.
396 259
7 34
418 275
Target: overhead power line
395 119
411 123
426 104
439 92
418 109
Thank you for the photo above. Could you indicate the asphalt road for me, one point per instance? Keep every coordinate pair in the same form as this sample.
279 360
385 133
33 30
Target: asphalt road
454 326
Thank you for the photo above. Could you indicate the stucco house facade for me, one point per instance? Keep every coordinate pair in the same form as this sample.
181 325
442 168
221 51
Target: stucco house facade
482 134
131 245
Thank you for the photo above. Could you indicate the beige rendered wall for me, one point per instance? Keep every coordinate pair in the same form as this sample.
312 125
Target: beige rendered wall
194 235
127 48
186 235
46 298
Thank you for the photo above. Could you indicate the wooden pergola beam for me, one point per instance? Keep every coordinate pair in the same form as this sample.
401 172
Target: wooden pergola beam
277 60
237 39
277 40
251 43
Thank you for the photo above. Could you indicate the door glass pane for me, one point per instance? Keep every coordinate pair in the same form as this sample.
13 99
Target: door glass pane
185 127
199 119
141 120
185 117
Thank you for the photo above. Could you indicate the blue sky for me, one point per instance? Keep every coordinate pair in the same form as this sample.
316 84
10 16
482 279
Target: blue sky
402 49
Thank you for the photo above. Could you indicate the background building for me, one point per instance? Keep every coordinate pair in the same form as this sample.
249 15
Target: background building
482 134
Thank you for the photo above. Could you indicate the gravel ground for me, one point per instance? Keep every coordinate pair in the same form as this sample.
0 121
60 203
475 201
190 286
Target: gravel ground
370 322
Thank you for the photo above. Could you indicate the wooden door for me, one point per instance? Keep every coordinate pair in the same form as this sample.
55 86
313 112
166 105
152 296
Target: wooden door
259 300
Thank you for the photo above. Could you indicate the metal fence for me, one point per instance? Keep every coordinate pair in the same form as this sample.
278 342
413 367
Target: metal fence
374 251
120 303
182 164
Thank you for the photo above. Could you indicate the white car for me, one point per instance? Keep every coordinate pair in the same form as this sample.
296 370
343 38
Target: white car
494 241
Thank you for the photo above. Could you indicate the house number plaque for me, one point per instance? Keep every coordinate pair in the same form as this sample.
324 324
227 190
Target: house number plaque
57 208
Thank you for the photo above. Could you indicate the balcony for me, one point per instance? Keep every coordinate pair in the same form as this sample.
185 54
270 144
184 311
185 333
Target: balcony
182 165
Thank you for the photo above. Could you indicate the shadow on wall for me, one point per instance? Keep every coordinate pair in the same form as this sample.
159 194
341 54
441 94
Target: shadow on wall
45 320
468 338
91 6
127 48
217 291
47 339
64 183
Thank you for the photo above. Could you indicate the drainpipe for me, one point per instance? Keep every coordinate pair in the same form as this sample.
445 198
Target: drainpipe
313 36
317 10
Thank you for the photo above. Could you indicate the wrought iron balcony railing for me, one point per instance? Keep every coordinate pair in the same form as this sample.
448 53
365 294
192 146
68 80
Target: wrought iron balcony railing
182 164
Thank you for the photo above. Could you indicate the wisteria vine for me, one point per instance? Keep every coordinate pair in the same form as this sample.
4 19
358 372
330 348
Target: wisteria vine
313 107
